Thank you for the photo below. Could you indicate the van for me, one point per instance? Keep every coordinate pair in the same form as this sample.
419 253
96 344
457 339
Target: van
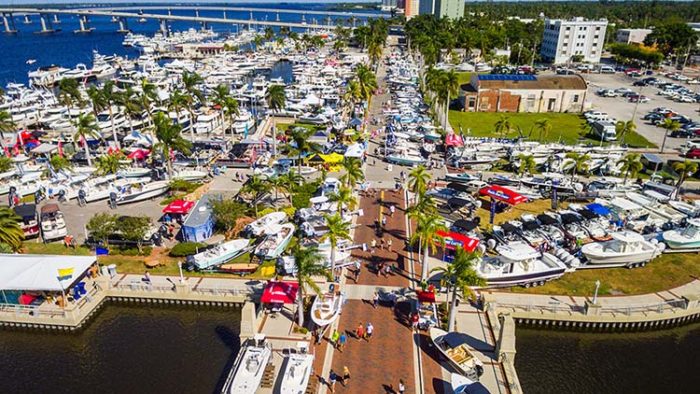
604 130
607 70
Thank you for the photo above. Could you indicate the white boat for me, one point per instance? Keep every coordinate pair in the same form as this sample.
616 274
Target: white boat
653 205
686 238
405 158
327 306
462 177
247 371
305 170
463 385
296 370
260 226
142 191
453 345
134 172
101 188
219 254
276 240
688 209
53 226
626 247
190 175
518 263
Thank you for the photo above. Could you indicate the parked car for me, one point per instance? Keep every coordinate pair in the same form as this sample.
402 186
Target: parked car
606 93
682 134
607 70
641 82
693 153
637 98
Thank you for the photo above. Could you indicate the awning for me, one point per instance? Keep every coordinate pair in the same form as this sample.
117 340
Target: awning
453 239
139 154
44 149
31 272
425 296
332 158
453 139
280 293
504 194
181 207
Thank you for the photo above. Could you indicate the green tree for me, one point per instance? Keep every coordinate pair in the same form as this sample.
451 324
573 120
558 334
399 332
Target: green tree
222 97
630 165
460 275
97 99
684 169
300 136
59 163
7 125
545 127
148 96
527 164
338 230
6 164
110 97
669 125
191 82
169 139
418 180
503 126
623 128
672 36
226 214
177 102
580 163
308 266
426 233
366 82
11 233
86 127
134 229
374 51
69 93
101 226
110 164
353 171
276 98
343 197
256 187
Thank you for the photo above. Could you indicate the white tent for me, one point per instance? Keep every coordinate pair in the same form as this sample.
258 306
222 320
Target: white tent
355 150
33 272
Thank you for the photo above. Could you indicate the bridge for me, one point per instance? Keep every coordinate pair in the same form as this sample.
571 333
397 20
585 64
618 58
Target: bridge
47 23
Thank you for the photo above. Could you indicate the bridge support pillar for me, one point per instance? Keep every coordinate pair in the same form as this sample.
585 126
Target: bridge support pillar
170 11
123 26
196 12
164 27
225 14
8 22
278 17
27 20
55 19
84 28
46 26
205 26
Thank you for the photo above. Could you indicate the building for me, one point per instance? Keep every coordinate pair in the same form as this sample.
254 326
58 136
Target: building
427 7
564 39
452 9
524 93
411 8
631 36
388 5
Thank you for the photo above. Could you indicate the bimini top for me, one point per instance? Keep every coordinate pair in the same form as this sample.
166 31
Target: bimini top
627 237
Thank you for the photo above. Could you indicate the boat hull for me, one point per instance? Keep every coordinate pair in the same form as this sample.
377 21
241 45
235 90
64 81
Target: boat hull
524 279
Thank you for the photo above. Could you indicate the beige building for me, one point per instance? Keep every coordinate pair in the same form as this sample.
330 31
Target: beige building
524 93
631 36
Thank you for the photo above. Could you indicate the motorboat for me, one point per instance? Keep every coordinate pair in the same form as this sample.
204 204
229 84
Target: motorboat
327 306
28 220
276 240
53 226
453 345
649 203
625 247
405 158
424 305
190 175
219 254
142 191
99 188
463 385
248 369
518 263
685 238
297 369
263 224
690 210
462 177
134 172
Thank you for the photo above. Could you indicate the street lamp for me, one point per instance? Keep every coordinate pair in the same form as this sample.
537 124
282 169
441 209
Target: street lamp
595 295
182 278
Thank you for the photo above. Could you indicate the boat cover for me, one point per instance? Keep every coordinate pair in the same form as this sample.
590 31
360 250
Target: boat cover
508 228
567 218
465 225
598 209
546 219
453 239
531 225
460 187
503 194
139 154
26 210
280 293
181 207
588 214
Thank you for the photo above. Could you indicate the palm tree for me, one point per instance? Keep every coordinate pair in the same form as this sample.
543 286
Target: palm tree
256 187
308 263
59 163
426 234
684 169
269 33
449 87
221 98
459 276
352 92
418 180
338 230
425 206
11 233
670 125
110 164
353 171
191 80
503 126
622 128
366 82
375 50
230 109
527 164
149 95
580 162
300 136
68 92
290 179
7 125
631 165
98 100
278 183
169 139
544 126
86 127
111 97
276 98
131 106
343 197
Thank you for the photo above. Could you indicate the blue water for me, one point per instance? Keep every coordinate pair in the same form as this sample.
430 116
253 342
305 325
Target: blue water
67 49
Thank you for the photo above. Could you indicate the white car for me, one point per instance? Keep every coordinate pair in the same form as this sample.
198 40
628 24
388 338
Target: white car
685 99
693 81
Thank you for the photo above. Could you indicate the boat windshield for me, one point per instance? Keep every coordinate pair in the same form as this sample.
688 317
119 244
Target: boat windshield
690 232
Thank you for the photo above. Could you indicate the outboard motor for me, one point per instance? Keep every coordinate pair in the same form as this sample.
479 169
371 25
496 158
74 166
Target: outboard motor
113 200
38 196
61 195
82 197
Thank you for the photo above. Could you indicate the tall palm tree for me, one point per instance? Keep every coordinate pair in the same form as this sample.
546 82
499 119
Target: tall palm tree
343 197
7 125
69 92
308 262
426 233
460 275
11 233
622 128
631 165
290 179
353 171
269 33
684 169
425 206
544 126
97 99
110 164
366 81
191 82
503 126
231 109
148 96
111 97
169 139
338 230
449 87
527 164
352 92
222 94
580 163
177 102
130 104
670 125
418 180
276 98
374 51
278 183
256 187
300 136
86 127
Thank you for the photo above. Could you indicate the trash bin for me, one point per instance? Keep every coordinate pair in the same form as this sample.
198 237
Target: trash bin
112 269
105 270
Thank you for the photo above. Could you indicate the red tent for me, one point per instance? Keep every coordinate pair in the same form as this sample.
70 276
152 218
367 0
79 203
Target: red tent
280 293
181 207
139 154
426 296
453 240
453 139
504 194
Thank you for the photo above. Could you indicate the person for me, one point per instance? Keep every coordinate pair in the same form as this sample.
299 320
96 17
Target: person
383 221
369 331
341 341
402 387
360 332
387 270
147 278
346 375
358 268
381 242
334 338
375 300
373 245
414 320
392 209
332 377
388 244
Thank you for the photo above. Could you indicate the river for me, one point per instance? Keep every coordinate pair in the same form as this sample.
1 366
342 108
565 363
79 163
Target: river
573 363
125 350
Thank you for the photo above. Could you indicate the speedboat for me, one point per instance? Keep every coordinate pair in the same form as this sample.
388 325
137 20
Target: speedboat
218 255
327 306
463 385
261 225
276 240
190 175
453 345
626 247
248 369
53 226
296 370
134 172
405 158
518 263
685 238
462 177
29 223
142 191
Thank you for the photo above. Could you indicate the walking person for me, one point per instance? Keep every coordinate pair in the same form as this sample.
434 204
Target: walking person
388 244
402 386
360 332
383 221
369 331
332 378
334 338
392 209
341 341
358 268
346 375
375 300
387 270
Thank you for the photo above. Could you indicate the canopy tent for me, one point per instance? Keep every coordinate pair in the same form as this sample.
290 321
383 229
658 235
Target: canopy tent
181 207
453 240
503 194
354 122
453 139
425 296
31 272
44 149
598 209
280 293
355 150
333 158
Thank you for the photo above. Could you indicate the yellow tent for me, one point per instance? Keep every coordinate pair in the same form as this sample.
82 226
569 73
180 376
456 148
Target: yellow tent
333 158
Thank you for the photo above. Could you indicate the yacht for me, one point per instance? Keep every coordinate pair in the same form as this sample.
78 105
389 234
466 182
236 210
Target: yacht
327 306
685 238
248 369
626 247
218 255
296 371
518 263
142 191
46 77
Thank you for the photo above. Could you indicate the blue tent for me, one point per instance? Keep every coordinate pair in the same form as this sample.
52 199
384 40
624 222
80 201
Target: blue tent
199 223
598 209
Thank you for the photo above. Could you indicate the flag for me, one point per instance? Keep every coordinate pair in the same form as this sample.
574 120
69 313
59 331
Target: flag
65 273
60 148
99 251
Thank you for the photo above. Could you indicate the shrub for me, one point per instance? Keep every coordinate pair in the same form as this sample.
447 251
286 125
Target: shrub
183 186
289 210
266 211
186 248
127 251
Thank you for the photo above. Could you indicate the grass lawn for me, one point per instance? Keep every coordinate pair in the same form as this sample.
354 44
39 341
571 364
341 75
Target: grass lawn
568 127
288 126
666 272
536 207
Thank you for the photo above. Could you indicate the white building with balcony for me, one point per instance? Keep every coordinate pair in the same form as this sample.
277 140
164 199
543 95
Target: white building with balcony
564 39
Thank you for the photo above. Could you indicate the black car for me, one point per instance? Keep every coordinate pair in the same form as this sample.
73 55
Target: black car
682 134
639 83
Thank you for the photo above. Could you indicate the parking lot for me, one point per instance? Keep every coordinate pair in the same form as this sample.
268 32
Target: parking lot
620 108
